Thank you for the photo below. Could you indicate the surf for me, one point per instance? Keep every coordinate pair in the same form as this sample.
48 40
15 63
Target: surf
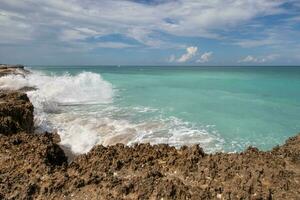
80 108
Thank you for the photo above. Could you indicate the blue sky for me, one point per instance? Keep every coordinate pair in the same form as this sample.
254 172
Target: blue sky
150 32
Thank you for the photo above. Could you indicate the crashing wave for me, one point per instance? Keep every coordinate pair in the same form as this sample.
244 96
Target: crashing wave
80 108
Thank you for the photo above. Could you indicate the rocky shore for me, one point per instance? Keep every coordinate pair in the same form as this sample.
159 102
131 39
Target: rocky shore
12 69
34 166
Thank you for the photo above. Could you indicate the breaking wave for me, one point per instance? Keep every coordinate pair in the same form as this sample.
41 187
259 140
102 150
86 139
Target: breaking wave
81 109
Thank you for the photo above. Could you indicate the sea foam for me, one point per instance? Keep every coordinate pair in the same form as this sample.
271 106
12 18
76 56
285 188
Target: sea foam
80 109
54 92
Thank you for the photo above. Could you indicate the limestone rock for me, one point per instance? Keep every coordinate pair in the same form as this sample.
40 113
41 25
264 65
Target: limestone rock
16 113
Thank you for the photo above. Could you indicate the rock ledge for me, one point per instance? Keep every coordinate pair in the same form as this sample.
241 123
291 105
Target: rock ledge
34 166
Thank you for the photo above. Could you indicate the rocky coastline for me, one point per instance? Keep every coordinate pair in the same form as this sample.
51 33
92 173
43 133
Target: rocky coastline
34 166
12 69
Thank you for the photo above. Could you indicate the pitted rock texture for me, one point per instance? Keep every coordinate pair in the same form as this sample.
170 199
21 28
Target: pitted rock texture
16 113
27 164
35 167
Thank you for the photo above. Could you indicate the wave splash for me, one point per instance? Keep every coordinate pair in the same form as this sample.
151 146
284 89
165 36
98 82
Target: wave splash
80 108
54 93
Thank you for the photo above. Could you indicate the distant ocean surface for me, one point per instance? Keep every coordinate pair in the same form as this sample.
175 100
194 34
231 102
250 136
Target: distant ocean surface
220 108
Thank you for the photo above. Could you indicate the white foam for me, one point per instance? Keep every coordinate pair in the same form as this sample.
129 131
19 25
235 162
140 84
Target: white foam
53 92
13 82
93 119
81 131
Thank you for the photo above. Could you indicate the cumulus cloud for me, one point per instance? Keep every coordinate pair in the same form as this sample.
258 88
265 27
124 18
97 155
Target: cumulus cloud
262 59
205 57
190 53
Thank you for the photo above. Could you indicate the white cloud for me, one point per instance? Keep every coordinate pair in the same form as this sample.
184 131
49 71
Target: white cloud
138 21
70 23
268 58
78 34
205 57
262 59
84 47
190 53
256 43
113 45
248 59
13 29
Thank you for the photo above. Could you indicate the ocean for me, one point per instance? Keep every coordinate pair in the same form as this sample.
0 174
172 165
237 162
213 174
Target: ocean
221 108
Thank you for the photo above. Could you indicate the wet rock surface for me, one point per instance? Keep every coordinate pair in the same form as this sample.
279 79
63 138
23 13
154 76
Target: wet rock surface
13 70
16 113
34 166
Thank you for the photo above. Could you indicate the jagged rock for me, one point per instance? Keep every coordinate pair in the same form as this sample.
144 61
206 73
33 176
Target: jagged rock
13 69
2 66
16 113
28 162
35 167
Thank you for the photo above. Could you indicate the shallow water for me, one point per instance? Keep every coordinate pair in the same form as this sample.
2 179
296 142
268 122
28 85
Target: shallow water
222 108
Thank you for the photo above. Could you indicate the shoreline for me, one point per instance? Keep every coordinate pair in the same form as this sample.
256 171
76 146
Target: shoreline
34 166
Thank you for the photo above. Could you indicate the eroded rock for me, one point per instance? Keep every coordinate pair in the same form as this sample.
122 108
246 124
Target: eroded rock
34 166
29 163
13 70
16 113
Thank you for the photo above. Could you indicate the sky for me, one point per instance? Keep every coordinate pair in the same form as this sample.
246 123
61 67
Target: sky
150 32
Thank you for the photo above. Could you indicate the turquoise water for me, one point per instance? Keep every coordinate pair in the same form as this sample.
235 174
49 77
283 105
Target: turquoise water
237 106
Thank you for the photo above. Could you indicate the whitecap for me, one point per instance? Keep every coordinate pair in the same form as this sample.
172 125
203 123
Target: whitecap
81 109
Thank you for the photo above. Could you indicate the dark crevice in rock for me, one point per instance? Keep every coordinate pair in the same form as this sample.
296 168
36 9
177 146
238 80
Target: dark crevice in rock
16 113
34 166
